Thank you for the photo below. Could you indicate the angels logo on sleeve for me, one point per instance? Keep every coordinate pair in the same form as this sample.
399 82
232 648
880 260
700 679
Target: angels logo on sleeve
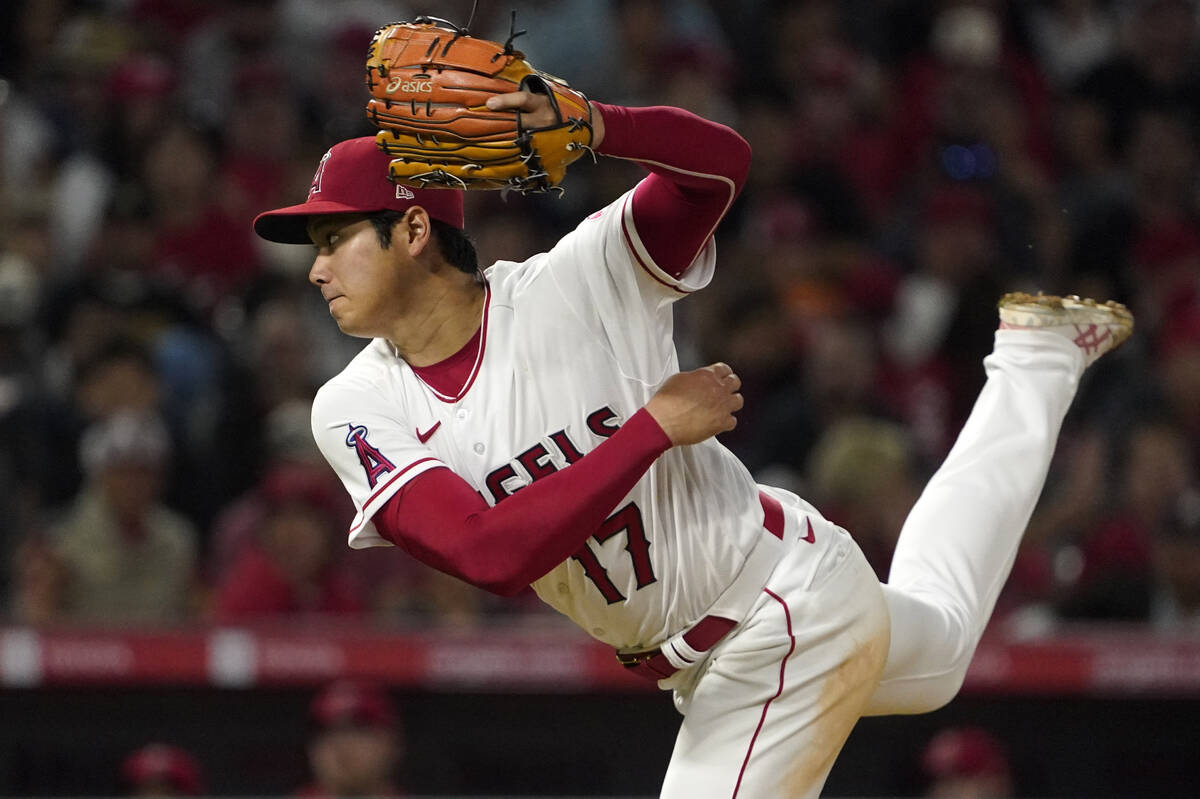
374 463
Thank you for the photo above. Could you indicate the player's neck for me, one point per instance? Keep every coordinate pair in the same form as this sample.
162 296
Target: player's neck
441 325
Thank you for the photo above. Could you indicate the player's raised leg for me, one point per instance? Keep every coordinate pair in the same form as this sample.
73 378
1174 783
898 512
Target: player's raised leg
959 541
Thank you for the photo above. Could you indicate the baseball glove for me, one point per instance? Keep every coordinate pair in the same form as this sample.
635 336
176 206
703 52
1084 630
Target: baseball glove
430 79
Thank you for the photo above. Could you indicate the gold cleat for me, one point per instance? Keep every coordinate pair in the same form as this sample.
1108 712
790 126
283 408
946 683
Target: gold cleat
1094 327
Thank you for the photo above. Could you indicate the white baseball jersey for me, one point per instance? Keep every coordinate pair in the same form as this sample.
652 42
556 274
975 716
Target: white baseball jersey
575 341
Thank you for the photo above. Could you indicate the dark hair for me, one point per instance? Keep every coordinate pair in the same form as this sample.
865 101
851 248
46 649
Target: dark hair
455 246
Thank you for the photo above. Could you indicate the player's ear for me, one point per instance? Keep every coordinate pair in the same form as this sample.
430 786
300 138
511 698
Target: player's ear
414 230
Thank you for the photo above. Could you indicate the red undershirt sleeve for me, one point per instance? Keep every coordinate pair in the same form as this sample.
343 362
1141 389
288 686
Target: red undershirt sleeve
697 168
439 519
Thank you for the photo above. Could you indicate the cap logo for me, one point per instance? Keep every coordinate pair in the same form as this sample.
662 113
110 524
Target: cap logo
320 174
403 193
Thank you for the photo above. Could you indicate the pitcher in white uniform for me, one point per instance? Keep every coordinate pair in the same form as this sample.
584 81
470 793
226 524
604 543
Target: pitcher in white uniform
527 424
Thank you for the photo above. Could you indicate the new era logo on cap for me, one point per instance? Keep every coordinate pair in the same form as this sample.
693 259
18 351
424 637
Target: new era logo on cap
352 178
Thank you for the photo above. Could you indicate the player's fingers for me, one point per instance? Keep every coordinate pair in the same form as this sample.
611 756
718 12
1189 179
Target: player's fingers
738 402
720 369
512 101
733 382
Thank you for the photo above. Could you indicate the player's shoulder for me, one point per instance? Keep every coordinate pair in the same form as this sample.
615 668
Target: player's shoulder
502 275
513 283
608 214
366 377
509 277
602 219
595 233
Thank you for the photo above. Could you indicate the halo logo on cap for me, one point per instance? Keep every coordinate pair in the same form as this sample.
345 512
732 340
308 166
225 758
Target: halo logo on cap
319 174
352 178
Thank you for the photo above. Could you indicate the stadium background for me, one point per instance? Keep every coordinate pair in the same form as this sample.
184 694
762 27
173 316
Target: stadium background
913 160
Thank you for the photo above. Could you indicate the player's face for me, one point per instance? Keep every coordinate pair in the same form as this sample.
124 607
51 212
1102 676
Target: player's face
363 283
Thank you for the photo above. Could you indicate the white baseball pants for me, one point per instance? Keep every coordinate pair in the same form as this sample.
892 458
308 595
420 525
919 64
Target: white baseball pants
767 712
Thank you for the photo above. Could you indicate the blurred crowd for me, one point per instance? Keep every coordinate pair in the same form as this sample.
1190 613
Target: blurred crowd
355 742
913 160
355 747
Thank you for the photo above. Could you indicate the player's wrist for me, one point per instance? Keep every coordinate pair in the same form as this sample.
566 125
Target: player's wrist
646 426
598 128
615 134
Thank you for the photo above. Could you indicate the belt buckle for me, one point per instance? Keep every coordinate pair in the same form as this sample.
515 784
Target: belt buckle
634 659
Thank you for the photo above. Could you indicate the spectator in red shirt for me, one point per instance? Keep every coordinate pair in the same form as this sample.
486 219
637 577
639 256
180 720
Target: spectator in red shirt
208 254
1116 571
288 569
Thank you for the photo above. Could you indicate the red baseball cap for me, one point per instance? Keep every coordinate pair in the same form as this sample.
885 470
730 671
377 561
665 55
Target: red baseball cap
352 178
160 764
964 752
354 704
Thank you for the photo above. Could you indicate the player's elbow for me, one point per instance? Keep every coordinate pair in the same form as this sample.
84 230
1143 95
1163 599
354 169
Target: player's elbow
941 692
730 155
501 582
502 588
507 588
484 557
739 160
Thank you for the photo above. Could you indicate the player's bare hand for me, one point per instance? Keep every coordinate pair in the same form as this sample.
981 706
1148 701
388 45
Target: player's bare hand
539 113
692 406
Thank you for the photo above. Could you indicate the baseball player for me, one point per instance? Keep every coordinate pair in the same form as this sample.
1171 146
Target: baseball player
527 424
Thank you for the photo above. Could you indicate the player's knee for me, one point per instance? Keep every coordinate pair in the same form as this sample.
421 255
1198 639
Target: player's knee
952 672
912 696
944 689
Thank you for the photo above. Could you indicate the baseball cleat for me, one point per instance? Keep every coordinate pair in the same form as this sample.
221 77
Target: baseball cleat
1096 328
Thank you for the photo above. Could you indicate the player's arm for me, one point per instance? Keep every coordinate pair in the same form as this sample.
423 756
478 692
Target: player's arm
443 522
697 168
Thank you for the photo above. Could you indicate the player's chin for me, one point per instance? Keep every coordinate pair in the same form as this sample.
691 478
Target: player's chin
346 321
356 332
